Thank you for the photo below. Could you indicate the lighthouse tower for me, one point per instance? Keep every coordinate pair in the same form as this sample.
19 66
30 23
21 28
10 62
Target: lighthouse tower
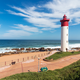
64 33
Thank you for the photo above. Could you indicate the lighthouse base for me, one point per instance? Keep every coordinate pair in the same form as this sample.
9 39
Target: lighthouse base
63 50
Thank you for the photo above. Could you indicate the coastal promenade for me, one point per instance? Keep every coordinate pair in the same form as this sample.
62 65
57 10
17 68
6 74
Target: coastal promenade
32 65
21 57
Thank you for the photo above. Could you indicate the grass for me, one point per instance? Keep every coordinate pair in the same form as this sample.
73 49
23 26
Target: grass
58 55
71 72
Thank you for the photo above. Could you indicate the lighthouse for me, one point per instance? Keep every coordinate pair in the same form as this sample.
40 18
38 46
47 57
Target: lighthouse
64 33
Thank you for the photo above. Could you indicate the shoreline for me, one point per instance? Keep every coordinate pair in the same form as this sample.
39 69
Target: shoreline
25 50
32 50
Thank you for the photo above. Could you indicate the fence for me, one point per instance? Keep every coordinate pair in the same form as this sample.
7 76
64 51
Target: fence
6 63
20 69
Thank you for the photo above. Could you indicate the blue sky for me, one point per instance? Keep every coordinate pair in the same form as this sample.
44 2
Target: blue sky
38 19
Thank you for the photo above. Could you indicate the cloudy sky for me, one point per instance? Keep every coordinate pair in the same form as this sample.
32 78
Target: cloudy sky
38 19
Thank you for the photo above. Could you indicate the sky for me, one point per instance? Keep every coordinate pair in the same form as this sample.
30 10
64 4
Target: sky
38 19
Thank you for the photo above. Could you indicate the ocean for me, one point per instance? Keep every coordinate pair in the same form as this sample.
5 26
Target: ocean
10 44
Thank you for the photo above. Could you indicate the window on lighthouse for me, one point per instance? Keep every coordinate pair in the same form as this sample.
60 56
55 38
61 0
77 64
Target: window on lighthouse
64 17
67 34
67 41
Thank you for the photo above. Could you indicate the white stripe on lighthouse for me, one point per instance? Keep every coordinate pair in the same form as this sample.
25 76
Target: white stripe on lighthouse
64 38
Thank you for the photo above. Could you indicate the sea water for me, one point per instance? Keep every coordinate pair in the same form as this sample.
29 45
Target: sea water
10 44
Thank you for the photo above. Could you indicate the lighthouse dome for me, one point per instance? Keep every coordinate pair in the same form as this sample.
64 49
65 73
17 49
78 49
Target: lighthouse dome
64 16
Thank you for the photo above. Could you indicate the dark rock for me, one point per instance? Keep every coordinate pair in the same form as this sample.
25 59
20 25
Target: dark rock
76 48
22 49
28 49
17 49
41 49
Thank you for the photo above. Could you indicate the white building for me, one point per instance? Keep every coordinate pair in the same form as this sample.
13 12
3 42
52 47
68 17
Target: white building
64 33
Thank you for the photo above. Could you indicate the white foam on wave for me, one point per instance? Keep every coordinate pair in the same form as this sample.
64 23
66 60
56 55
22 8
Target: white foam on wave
3 50
74 45
54 47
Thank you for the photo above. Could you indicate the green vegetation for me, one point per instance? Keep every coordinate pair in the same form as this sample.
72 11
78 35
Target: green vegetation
58 55
71 72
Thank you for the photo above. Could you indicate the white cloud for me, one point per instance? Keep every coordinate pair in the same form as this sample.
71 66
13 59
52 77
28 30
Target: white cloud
43 22
26 28
20 30
16 34
59 7
39 19
19 14
1 12
46 28
0 25
49 19
77 21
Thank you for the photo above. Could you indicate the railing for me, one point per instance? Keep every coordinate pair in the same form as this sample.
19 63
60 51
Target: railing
6 63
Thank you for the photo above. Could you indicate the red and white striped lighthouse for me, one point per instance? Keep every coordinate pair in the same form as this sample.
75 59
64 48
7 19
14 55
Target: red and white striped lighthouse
64 33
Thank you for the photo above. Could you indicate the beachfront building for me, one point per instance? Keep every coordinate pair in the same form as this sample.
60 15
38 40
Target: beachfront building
64 33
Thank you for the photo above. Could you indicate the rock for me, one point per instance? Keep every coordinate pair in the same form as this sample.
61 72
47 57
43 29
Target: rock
49 49
37 49
15 49
32 49
46 49
41 49
76 48
51 59
22 49
28 49
72 51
